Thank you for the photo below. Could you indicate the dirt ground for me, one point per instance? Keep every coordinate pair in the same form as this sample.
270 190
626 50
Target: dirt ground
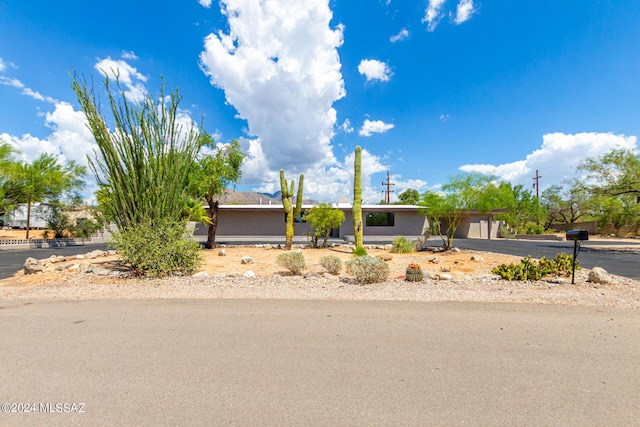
461 264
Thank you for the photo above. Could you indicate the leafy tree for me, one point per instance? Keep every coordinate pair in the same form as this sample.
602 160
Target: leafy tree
7 163
613 182
462 193
322 219
409 197
615 173
565 207
58 220
216 168
42 180
524 212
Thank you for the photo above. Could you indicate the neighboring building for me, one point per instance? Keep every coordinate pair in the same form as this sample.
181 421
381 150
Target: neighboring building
379 220
17 218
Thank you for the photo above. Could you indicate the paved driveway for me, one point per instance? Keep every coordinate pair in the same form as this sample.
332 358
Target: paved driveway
319 363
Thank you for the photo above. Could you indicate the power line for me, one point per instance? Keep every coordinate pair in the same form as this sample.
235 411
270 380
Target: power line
388 190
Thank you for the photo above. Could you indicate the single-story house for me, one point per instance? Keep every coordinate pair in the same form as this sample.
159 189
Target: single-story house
378 220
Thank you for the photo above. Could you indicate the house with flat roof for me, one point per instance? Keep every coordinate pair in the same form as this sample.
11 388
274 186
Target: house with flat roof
378 220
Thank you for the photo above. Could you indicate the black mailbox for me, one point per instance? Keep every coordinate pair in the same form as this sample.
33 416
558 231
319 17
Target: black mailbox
577 235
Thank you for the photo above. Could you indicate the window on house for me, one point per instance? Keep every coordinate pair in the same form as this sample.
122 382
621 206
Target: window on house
379 219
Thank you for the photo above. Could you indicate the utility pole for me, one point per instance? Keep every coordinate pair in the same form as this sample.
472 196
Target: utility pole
537 183
388 190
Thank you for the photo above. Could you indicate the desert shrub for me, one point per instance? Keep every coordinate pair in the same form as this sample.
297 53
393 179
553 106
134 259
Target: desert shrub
402 245
331 263
368 269
292 261
561 265
359 251
158 249
528 269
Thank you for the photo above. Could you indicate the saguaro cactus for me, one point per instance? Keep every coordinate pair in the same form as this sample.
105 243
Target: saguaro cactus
357 198
287 203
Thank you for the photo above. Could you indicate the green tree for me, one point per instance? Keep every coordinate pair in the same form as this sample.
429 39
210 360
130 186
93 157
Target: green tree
462 193
322 219
44 179
409 197
614 174
216 169
565 207
7 163
524 213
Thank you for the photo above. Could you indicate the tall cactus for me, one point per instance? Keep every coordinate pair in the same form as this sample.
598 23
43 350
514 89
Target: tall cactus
357 198
287 203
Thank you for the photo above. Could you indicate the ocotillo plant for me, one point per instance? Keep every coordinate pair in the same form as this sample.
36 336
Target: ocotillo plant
357 198
287 203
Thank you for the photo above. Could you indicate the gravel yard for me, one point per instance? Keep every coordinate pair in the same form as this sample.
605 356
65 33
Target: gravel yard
224 277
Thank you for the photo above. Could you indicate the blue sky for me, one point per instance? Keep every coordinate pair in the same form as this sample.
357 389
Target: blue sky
428 88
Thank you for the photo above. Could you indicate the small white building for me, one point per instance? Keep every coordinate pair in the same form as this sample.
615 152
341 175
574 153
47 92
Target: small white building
17 218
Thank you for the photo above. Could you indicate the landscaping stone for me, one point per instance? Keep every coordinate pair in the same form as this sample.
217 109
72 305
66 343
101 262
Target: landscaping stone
249 274
223 252
99 271
201 274
247 260
598 275
32 266
385 257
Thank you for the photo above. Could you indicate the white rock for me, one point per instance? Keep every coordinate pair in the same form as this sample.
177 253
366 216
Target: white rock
85 267
477 258
444 276
247 260
201 274
80 256
455 250
249 274
598 275
223 252
100 271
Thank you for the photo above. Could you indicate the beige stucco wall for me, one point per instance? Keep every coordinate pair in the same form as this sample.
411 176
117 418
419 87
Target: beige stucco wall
270 221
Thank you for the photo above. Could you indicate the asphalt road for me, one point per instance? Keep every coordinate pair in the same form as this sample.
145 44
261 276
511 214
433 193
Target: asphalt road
614 262
13 260
318 363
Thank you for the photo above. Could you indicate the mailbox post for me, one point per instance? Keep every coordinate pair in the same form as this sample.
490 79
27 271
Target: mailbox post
577 236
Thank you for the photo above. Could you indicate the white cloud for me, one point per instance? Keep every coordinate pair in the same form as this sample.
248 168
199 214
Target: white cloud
70 139
279 67
328 183
557 158
444 117
346 126
7 81
205 3
130 78
373 69
464 10
129 54
369 127
3 66
403 34
433 14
